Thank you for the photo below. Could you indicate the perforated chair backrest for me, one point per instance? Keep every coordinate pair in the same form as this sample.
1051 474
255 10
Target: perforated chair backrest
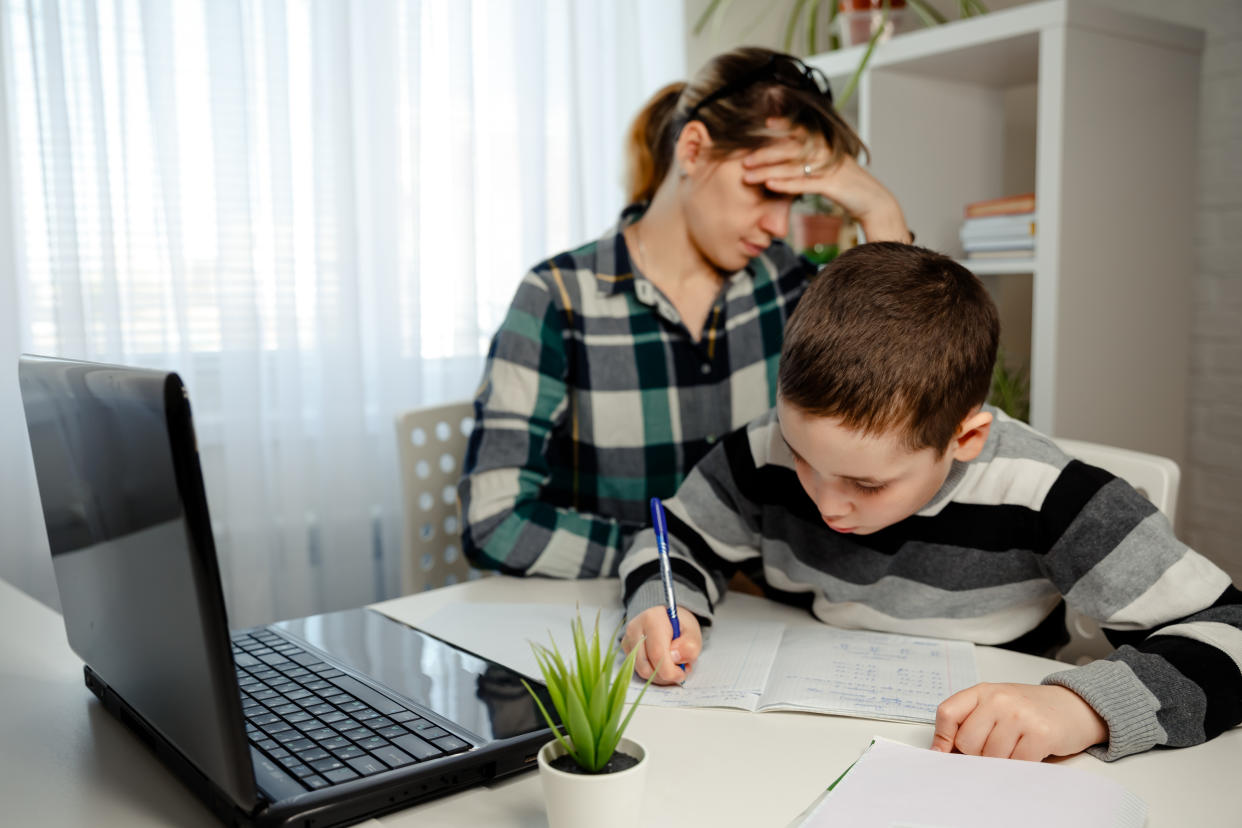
431 443
1157 479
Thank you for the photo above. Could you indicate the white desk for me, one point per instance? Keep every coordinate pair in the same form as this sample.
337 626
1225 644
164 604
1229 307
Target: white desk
64 761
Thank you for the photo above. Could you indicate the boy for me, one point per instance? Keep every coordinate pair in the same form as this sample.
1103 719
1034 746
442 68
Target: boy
881 492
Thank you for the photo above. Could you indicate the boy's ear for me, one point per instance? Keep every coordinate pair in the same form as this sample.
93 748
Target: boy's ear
971 435
693 145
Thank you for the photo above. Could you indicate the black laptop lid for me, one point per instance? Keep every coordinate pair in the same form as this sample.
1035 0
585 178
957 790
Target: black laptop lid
123 500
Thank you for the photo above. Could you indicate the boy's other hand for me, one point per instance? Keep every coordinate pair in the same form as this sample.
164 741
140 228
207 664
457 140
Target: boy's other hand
654 624
1017 721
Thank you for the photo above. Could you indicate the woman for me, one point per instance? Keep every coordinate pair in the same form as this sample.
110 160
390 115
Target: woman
620 363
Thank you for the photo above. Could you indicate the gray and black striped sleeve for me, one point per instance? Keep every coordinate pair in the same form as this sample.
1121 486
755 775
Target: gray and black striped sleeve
713 531
1176 677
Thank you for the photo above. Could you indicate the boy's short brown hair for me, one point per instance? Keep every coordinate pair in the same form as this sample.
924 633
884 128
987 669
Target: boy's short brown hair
892 337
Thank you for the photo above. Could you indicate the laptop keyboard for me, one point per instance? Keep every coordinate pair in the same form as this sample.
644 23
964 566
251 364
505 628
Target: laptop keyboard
321 725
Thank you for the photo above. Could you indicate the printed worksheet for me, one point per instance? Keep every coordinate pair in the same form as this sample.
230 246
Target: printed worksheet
732 671
823 670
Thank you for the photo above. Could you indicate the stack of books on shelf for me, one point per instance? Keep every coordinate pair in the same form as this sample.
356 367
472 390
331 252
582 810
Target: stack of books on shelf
1000 228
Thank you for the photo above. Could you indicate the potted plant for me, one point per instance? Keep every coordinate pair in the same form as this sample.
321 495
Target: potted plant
816 228
591 775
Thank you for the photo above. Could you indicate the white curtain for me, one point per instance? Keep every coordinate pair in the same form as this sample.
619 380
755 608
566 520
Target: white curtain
316 212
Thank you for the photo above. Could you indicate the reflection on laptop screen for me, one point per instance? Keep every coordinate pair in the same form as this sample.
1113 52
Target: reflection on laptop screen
128 564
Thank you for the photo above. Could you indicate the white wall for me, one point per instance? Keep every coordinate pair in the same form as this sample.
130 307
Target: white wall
1212 479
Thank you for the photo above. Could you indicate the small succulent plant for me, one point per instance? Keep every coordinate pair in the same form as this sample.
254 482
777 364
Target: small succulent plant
589 699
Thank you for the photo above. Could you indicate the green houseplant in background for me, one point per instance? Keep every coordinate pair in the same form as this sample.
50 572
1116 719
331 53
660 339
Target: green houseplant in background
1011 387
591 774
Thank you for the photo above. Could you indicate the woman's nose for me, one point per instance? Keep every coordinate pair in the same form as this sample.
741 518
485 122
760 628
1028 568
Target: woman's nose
775 221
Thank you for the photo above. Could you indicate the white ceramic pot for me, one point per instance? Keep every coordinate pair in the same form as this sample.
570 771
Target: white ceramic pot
597 800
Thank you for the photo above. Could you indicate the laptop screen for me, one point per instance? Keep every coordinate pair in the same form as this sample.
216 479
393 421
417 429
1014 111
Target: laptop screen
123 500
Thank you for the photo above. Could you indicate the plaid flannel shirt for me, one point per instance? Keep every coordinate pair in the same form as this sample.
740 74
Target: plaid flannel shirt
595 399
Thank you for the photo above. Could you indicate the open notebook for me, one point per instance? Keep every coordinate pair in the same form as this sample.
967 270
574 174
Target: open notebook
767 666
751 665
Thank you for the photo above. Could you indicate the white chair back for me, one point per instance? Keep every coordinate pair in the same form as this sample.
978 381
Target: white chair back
431 443
1156 478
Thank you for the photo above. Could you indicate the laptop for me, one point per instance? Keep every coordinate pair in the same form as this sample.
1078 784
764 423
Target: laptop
325 720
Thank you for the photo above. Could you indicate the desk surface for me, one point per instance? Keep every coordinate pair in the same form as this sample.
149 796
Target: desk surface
66 761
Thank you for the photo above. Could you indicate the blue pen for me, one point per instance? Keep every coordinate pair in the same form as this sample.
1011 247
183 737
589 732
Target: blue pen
666 566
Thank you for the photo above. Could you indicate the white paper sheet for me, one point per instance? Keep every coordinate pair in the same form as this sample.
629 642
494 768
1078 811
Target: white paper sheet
894 785
504 632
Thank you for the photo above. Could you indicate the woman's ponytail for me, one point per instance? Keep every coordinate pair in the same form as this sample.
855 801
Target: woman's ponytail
649 144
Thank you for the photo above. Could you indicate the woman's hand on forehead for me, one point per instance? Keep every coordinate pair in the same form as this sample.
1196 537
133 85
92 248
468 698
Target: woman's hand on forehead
791 163
798 163
790 146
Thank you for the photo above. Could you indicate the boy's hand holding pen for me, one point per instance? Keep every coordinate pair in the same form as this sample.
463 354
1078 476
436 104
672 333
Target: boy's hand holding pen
659 645
672 640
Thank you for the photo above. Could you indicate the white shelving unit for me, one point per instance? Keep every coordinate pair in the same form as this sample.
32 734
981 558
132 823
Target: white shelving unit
998 267
1095 110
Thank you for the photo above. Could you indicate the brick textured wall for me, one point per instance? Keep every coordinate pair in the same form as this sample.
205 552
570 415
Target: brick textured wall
1211 520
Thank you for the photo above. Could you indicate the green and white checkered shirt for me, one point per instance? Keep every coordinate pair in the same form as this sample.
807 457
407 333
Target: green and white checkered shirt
595 399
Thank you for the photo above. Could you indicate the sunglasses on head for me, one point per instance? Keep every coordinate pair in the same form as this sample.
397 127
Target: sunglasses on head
783 69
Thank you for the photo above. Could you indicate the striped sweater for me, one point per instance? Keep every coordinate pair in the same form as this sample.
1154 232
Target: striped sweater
989 559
